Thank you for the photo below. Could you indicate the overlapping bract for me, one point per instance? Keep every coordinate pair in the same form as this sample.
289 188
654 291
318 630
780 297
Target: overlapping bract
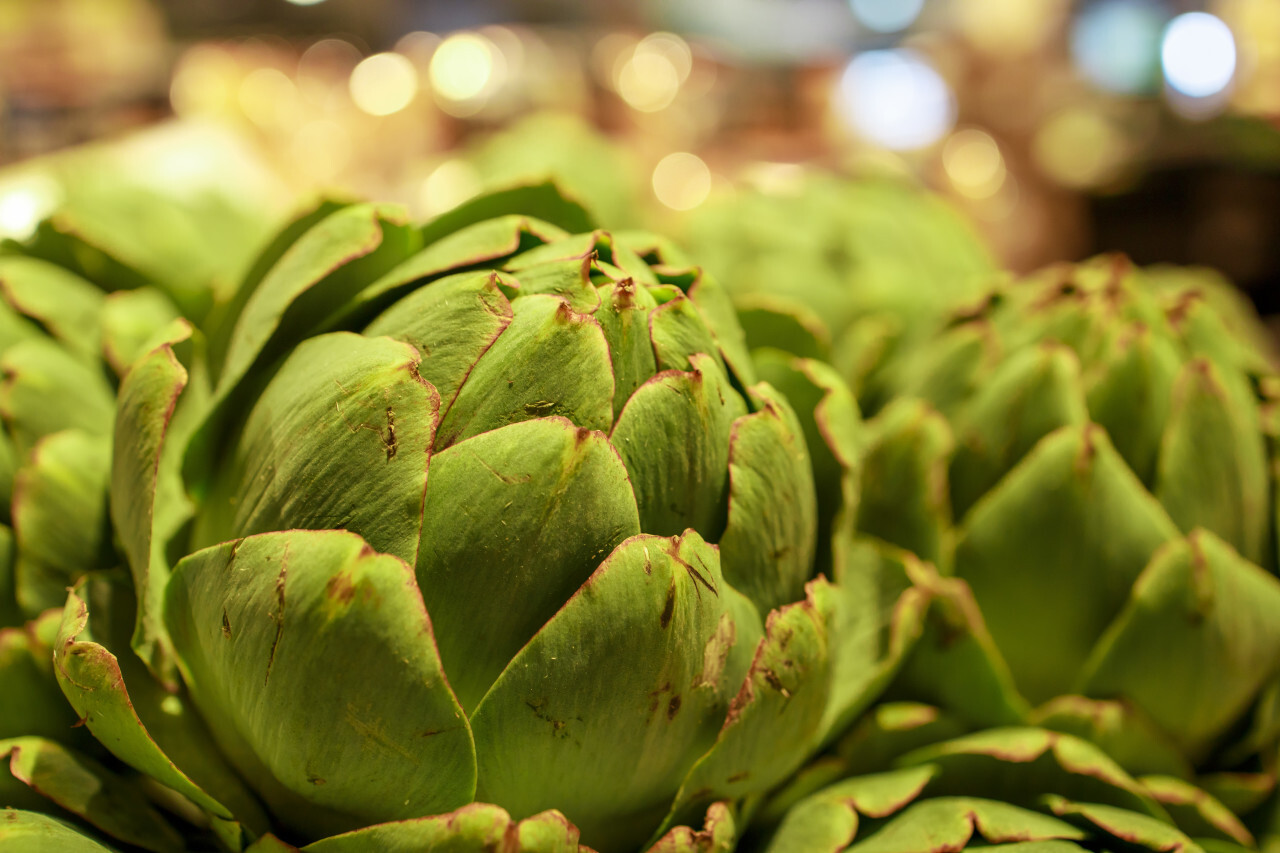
482 513
1087 459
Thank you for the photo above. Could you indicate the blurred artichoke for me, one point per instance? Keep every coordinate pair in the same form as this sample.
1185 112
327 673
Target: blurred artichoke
482 511
846 270
1088 458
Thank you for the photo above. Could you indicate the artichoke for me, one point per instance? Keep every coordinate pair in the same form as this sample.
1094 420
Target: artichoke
1087 457
845 270
481 527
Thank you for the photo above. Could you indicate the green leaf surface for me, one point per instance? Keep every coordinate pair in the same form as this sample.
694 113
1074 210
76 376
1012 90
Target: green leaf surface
31 832
768 544
673 435
1052 551
624 319
261 626
1123 825
603 711
89 791
951 823
516 519
130 320
544 201
474 827
1197 640
60 518
63 303
548 361
339 439
46 389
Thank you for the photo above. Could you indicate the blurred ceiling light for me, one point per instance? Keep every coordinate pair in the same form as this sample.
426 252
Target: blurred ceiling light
894 98
25 200
1078 147
1007 26
681 180
648 77
973 163
886 16
1116 43
463 69
1198 54
269 98
204 81
305 2
383 84
449 185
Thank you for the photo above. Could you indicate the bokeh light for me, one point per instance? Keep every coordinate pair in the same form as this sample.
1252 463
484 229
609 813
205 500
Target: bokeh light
384 83
1007 27
1078 147
973 163
204 82
1198 54
269 98
681 181
463 70
648 77
886 16
896 99
305 2
24 201
1116 43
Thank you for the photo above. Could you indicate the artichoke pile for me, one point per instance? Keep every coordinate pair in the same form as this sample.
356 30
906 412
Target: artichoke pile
509 531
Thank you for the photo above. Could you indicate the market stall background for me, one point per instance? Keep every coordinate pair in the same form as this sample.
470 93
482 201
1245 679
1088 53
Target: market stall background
1062 129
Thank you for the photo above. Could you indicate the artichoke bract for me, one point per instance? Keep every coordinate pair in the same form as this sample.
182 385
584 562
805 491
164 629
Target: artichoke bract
484 512
1088 458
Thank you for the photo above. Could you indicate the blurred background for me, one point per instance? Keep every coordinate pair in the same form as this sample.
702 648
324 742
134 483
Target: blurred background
1060 128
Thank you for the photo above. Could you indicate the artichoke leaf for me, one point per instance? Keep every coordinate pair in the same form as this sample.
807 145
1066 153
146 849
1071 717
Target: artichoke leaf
63 303
147 401
602 713
46 389
32 832
89 791
769 541
1122 825
1014 764
719 834
516 519
259 626
476 826
1197 640
33 704
314 279
451 323
60 521
694 411
774 722
91 679
1051 552
951 823
678 333
340 438
1120 729
777 323
130 321
624 318
567 278
1212 470
1196 812
545 200
549 361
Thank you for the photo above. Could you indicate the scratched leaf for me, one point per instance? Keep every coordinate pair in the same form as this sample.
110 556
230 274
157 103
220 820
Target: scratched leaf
605 709
261 628
339 439
515 520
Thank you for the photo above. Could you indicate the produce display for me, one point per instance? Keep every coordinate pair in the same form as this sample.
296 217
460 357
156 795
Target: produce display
800 529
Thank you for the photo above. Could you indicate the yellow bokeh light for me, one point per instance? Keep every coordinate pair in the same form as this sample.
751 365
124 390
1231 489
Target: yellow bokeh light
449 185
681 181
25 200
1078 147
383 84
973 163
269 98
673 48
462 67
205 82
647 81
1008 27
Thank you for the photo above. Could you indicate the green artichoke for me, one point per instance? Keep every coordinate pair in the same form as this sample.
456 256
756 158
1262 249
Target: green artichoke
845 270
1088 459
487 524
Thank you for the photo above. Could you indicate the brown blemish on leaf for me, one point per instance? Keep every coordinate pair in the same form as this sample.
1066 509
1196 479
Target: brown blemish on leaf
739 776
669 608
673 707
278 615
226 625
340 588
391 434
